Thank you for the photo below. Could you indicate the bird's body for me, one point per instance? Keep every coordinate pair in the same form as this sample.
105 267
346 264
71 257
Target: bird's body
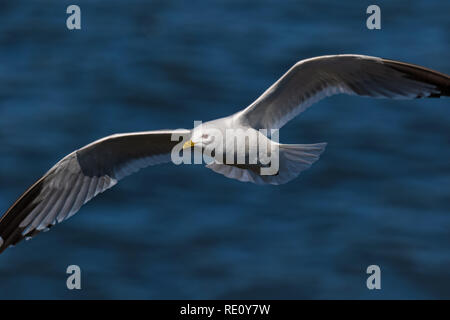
243 146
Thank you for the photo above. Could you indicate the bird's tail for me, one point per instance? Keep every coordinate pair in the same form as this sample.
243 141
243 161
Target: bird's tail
292 159
295 158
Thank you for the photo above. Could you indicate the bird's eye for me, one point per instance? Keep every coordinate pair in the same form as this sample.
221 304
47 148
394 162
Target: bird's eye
204 136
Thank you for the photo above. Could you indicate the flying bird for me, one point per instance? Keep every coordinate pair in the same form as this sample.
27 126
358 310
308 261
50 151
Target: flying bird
94 168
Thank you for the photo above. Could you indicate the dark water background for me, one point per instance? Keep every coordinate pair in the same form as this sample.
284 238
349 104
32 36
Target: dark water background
379 195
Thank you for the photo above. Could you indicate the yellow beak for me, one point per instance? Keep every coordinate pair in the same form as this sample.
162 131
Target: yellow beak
188 144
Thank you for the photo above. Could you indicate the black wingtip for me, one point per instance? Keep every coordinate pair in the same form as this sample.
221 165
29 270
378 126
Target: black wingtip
10 232
421 74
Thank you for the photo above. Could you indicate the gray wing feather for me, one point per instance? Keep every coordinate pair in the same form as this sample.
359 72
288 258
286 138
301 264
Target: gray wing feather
79 177
313 79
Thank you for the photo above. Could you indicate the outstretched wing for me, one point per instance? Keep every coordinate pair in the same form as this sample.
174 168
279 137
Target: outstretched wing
80 176
313 79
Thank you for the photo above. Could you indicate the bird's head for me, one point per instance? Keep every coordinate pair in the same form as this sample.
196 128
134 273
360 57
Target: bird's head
204 137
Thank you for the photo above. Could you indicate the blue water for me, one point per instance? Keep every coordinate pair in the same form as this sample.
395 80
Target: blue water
379 195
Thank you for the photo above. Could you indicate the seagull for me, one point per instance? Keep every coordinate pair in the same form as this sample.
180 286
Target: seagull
98 166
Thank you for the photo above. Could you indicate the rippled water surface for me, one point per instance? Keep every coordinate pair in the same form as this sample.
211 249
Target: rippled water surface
379 195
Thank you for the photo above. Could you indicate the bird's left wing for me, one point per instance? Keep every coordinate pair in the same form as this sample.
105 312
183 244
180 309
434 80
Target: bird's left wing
313 79
80 176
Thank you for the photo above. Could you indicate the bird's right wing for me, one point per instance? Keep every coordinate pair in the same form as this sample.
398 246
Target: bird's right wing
313 79
80 176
